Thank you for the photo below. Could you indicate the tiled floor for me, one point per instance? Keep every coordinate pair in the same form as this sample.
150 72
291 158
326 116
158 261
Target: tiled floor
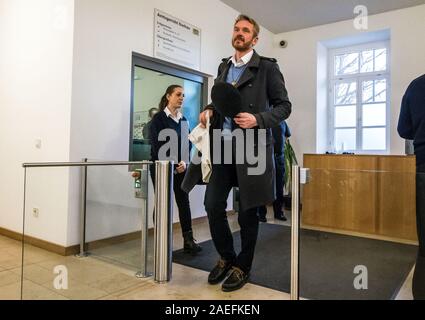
91 278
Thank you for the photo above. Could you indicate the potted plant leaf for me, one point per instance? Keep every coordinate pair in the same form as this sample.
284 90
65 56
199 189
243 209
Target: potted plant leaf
290 160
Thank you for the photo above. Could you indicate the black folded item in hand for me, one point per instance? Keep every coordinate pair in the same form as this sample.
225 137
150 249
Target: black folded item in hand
227 99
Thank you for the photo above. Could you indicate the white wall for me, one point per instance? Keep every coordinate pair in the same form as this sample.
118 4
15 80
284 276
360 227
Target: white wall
299 64
106 33
322 99
148 93
36 39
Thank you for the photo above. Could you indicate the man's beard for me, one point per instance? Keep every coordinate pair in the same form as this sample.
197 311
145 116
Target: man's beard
244 46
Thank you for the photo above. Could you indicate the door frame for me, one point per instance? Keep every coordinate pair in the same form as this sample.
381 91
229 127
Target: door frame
157 65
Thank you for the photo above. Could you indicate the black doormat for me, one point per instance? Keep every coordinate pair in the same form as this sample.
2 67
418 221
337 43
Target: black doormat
327 263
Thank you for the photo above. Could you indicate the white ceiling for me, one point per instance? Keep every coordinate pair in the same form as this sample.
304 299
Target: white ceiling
280 16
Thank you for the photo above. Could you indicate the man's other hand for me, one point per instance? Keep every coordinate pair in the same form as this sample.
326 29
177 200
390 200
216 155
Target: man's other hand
203 117
245 120
181 167
136 174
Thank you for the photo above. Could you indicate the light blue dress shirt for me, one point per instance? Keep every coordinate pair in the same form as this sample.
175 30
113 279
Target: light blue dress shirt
233 76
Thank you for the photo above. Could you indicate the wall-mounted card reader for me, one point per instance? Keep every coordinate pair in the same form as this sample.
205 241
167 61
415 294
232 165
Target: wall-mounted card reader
141 183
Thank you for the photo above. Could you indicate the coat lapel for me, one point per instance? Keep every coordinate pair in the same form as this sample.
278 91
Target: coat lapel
247 75
223 75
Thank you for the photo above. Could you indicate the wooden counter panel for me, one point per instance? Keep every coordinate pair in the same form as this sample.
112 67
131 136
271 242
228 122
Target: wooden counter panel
396 197
352 193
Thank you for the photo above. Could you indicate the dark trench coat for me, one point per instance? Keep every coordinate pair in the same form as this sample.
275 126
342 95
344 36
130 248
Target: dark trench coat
264 95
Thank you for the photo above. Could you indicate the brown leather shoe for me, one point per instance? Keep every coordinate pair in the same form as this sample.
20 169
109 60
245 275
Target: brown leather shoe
219 272
235 281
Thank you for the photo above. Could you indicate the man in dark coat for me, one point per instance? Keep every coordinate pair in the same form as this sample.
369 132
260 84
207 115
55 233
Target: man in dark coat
265 105
411 125
147 126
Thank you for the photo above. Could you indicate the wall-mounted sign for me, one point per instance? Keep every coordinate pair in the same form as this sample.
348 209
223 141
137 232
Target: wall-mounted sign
176 41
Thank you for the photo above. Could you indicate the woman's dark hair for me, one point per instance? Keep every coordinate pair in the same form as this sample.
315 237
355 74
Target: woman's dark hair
164 101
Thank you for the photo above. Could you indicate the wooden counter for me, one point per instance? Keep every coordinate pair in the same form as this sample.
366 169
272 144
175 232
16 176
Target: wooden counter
370 195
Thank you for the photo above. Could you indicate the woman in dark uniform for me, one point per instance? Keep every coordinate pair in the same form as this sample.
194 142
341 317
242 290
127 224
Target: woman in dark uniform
170 117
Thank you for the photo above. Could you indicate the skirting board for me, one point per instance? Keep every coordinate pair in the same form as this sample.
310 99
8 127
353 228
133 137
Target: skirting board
72 250
48 246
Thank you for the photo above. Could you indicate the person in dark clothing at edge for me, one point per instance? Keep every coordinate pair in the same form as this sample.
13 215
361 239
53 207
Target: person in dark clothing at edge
280 134
265 104
146 129
170 117
411 125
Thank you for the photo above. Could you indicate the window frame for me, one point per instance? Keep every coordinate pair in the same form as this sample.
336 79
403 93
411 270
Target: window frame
359 78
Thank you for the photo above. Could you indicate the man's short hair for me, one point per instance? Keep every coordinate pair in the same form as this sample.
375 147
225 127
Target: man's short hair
152 112
243 17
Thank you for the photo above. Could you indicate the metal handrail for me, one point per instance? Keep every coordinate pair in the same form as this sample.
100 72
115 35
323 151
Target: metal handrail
299 176
295 234
83 210
83 164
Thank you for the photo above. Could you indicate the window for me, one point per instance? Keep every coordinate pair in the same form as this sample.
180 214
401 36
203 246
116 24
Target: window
359 99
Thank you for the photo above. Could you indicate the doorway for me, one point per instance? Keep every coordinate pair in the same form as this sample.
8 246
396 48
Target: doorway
150 79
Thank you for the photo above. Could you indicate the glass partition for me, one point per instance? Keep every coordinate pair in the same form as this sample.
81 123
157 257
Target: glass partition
358 238
51 265
114 216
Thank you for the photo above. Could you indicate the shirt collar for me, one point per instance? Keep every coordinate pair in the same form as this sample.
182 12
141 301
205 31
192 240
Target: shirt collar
243 60
170 115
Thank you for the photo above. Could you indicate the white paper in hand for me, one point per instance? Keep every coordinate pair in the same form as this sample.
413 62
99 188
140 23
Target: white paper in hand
201 139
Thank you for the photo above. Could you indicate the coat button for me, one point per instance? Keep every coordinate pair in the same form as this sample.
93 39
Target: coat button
251 105
250 85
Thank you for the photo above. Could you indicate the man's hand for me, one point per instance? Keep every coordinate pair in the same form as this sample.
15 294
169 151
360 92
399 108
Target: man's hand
203 117
245 120
181 167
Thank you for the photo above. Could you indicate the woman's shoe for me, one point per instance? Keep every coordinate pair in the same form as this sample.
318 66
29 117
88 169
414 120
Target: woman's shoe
189 244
